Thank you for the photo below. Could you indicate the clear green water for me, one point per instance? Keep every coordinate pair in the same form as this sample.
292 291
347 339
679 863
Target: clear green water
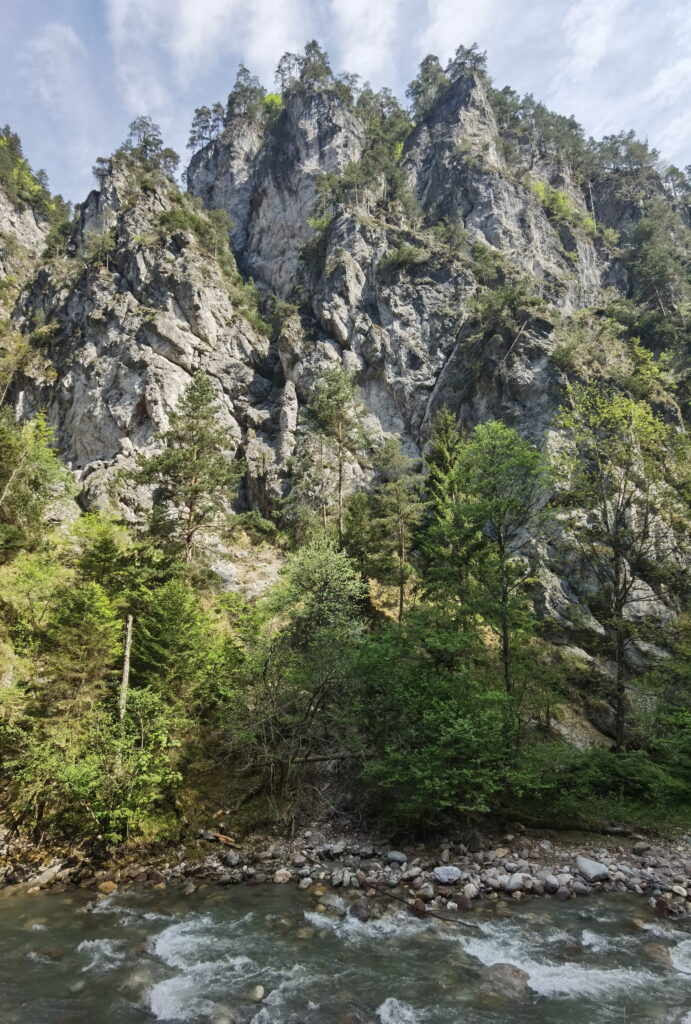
160 956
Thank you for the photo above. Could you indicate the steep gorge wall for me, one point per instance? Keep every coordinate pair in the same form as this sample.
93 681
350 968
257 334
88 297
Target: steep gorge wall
123 336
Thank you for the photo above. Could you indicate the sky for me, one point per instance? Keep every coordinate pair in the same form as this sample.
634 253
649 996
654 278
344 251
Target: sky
74 73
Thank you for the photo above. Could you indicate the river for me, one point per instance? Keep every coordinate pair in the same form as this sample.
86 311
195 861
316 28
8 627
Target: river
162 956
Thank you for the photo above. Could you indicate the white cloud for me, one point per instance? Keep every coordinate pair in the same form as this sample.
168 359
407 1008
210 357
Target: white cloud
452 22
54 65
161 46
271 29
590 29
52 62
365 34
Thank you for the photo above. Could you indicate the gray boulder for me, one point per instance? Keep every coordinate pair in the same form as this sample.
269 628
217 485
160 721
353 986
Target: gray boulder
506 981
447 874
592 870
515 882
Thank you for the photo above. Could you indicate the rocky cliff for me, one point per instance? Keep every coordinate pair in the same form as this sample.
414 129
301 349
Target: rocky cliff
389 282
22 241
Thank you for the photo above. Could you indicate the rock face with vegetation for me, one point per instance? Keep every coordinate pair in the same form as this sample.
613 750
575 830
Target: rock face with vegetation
436 361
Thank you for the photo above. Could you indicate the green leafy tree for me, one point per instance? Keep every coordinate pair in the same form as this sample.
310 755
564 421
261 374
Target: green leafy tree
431 722
99 246
311 504
172 642
15 355
446 538
398 508
315 69
207 125
442 460
246 101
287 71
336 413
104 552
87 779
299 672
194 473
659 259
503 484
620 467
144 140
31 587
467 58
424 91
31 479
82 645
360 537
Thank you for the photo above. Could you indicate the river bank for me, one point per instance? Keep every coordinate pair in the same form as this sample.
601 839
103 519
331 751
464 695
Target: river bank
459 872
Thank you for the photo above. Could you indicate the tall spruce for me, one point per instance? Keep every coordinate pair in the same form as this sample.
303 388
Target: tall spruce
397 511
336 413
619 470
194 474
503 484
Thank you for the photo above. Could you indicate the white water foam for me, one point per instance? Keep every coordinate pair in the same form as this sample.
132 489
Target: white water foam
507 945
598 943
681 958
180 998
664 930
187 995
180 944
392 1011
354 931
274 1007
104 954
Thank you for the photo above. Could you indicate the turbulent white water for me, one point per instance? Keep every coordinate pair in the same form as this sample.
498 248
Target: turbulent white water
269 956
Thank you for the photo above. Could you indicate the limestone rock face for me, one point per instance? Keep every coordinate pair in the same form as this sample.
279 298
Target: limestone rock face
455 166
22 239
22 224
265 180
123 340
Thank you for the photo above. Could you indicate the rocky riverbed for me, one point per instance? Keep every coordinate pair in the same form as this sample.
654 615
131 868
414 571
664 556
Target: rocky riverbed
454 874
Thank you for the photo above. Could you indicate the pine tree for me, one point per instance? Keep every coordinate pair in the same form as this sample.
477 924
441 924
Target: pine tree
427 87
503 485
620 467
398 508
445 538
336 413
442 463
195 474
31 477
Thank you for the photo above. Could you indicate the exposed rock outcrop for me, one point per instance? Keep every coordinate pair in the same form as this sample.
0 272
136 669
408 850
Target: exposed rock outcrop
22 239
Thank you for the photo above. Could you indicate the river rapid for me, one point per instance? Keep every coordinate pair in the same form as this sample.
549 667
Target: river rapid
267 955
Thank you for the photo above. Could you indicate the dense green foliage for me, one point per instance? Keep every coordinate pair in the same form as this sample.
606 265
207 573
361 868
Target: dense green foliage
142 153
23 186
194 474
401 642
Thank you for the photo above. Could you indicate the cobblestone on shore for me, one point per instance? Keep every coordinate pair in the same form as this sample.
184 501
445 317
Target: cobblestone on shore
453 873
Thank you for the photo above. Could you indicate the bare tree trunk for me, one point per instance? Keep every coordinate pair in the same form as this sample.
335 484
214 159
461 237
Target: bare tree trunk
125 682
621 708
506 652
401 578
340 500
506 638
